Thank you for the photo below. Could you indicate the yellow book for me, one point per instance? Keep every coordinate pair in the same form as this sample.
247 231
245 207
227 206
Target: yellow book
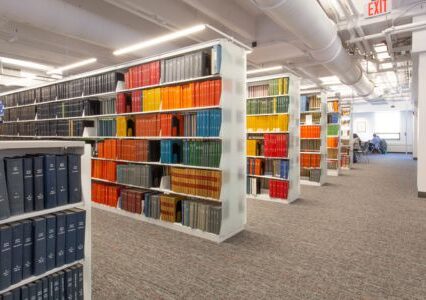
121 126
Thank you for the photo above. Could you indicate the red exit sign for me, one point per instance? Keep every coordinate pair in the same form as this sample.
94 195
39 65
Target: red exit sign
377 7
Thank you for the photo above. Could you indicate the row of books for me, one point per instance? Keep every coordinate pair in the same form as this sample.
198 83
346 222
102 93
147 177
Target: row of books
311 118
131 200
253 186
332 153
310 102
310 131
310 160
333 106
278 189
203 183
106 194
139 175
104 170
38 245
276 145
332 164
271 87
310 145
95 84
193 65
143 75
313 175
333 119
47 128
333 129
267 123
268 105
65 284
255 147
38 182
133 150
275 168
345 161
332 142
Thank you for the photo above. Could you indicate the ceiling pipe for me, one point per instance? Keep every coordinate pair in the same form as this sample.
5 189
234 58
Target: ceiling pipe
320 37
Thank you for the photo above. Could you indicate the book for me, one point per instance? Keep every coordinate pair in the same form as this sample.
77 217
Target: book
50 241
24 293
69 286
28 184
61 179
70 240
15 184
5 256
74 178
17 251
80 217
60 238
27 251
39 242
4 199
49 169
39 289
38 172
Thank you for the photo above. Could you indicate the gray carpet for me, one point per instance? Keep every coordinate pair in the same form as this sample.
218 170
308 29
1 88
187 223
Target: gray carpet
363 236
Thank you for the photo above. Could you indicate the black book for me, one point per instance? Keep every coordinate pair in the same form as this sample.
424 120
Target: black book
39 240
27 252
24 293
15 185
80 216
45 282
74 178
4 199
7 296
39 285
50 242
75 281
61 179
61 284
16 294
56 286
5 256
49 181
70 240
38 173
69 290
60 238
80 282
28 185
51 287
32 291
17 251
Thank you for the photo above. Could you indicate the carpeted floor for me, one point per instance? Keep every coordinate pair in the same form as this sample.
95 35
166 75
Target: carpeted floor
363 236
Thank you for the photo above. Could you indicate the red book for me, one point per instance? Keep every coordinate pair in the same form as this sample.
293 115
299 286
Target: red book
217 91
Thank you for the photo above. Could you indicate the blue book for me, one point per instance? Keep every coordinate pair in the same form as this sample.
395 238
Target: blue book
50 181
69 287
7 296
74 178
32 291
17 251
27 252
15 184
4 199
60 238
38 173
28 185
50 242
70 240
61 179
80 216
39 241
39 289
5 256
24 293
45 282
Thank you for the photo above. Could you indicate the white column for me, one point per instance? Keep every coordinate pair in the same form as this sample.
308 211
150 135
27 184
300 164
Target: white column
421 125
415 133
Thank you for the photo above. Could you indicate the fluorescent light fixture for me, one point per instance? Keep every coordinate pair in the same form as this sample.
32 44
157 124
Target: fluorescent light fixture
255 71
161 39
308 86
381 48
24 63
72 66
28 75
386 66
383 55
330 80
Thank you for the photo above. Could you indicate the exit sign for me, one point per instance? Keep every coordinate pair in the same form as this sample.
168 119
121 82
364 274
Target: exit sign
373 8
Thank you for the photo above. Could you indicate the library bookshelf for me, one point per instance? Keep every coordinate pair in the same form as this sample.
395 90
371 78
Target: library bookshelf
207 78
272 109
333 136
346 146
313 142
30 148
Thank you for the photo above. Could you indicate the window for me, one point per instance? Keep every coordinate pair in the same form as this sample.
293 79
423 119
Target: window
388 124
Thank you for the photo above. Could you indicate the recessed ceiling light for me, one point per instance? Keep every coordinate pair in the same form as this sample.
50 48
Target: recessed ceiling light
72 66
255 71
24 63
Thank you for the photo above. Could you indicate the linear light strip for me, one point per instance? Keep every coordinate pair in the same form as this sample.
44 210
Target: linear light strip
255 71
72 66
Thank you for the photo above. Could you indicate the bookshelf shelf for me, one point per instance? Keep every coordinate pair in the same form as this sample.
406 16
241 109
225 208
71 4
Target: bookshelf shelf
313 164
34 278
27 148
157 163
117 137
264 187
165 191
118 91
333 136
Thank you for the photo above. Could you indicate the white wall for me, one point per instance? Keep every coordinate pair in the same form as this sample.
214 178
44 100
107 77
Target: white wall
406 131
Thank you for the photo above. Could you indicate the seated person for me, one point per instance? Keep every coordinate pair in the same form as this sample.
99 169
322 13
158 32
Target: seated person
375 143
383 146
